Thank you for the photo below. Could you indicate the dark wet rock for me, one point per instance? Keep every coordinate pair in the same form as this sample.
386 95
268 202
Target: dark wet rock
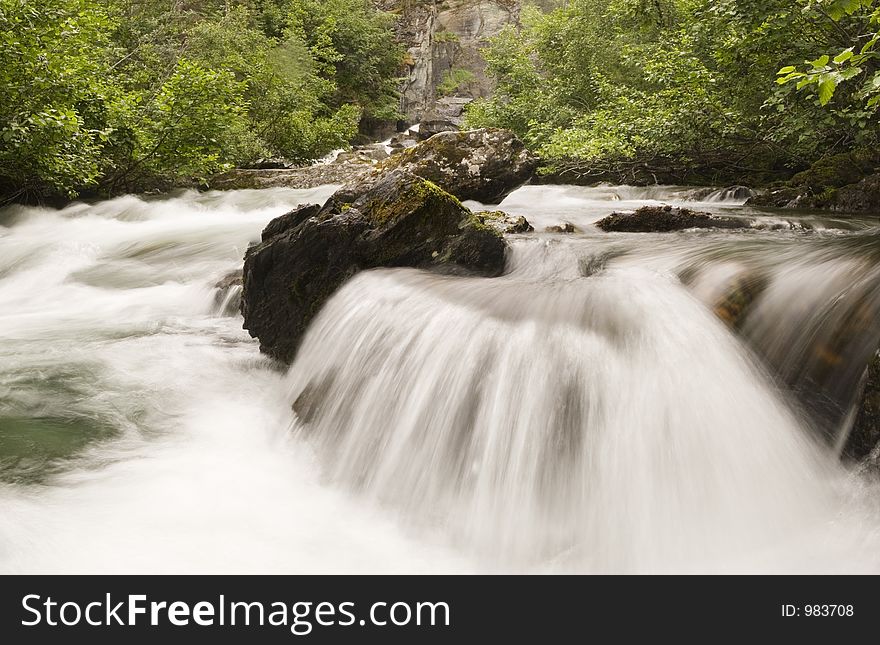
484 165
504 223
290 220
275 163
863 197
739 295
846 182
864 437
392 220
565 227
785 197
663 219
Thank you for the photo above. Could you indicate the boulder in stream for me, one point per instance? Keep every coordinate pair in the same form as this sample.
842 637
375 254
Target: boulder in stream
392 220
664 219
484 165
863 197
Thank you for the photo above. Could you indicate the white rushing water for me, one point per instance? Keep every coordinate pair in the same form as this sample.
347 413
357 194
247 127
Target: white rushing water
584 413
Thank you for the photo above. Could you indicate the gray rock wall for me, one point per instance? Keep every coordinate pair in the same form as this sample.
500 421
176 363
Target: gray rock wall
444 67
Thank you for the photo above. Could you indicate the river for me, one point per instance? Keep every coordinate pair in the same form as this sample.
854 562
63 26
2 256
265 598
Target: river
586 412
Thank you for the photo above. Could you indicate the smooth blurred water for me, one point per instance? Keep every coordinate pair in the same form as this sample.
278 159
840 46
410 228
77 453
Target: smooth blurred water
585 412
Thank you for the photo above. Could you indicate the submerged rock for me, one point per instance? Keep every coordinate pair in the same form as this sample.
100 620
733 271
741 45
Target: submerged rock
663 219
484 165
740 293
391 220
565 227
227 294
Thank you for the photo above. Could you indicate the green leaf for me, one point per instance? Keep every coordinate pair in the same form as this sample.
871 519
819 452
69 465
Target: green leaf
809 80
850 72
820 62
826 90
843 56
786 70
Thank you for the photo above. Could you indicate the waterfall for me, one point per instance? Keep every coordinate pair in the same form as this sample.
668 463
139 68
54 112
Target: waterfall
590 411
607 421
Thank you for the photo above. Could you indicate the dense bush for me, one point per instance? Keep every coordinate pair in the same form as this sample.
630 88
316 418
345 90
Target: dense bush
127 94
618 86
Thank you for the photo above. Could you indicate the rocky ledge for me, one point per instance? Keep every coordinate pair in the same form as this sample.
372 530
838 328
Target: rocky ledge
847 182
664 219
391 217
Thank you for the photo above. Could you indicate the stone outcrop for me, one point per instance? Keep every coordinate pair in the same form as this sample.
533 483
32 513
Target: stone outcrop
395 219
445 69
484 165
664 219
847 183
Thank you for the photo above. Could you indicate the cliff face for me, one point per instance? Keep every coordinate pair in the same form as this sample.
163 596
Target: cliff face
445 69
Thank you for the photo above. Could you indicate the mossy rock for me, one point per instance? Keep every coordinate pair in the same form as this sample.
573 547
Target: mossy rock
483 165
836 171
845 182
391 220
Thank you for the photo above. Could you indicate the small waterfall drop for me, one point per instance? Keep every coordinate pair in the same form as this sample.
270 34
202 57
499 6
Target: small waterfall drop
606 422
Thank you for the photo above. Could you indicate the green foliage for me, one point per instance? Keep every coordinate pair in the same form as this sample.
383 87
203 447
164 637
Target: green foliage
859 61
56 88
352 44
453 80
123 95
682 83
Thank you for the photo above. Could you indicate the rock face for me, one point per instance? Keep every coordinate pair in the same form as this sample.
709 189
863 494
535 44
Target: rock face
443 40
484 165
664 219
391 220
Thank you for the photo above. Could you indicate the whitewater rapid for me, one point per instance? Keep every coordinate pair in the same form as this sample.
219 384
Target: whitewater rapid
584 413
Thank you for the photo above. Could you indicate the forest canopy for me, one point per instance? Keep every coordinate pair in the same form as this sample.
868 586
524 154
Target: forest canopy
120 95
112 96
718 89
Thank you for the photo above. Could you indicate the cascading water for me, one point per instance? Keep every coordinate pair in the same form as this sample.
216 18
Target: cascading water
585 412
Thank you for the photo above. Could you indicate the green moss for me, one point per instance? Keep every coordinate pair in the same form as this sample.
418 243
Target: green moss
835 171
417 195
